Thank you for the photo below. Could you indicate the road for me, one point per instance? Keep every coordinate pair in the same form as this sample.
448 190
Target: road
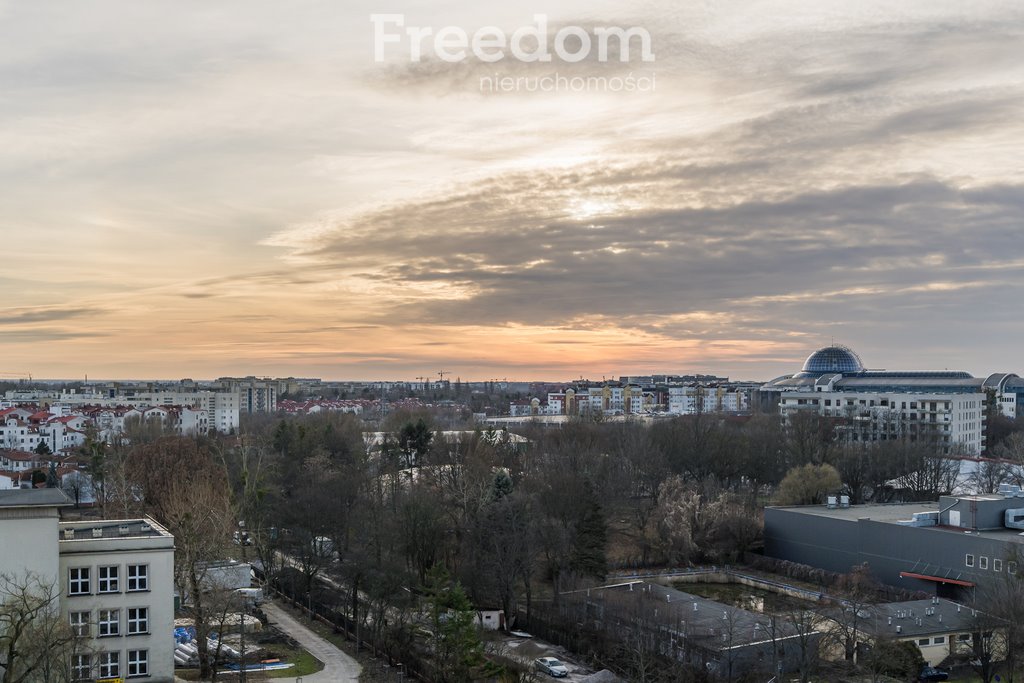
338 666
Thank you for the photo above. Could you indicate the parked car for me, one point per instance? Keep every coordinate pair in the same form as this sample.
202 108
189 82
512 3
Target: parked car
551 666
930 673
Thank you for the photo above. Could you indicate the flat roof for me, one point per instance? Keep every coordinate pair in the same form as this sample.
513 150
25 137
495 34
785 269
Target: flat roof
116 528
33 498
703 620
891 513
918 618
878 512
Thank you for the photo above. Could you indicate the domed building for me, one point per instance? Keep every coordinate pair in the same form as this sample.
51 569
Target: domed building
945 407
833 358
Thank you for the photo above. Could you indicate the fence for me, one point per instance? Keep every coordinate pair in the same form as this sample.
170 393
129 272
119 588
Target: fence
317 608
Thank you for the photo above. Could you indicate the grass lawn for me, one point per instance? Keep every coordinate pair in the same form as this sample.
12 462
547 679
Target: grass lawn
304 664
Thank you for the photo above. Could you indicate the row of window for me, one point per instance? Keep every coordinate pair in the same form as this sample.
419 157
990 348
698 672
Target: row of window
88 667
937 640
931 406
997 564
108 579
108 622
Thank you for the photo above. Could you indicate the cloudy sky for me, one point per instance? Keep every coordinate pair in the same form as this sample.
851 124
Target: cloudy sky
200 189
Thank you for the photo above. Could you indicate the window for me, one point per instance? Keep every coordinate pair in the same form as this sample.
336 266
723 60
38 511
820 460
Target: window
997 565
964 637
970 560
109 664
1011 567
138 577
982 562
106 580
109 623
79 623
923 641
78 581
138 620
138 663
938 640
81 667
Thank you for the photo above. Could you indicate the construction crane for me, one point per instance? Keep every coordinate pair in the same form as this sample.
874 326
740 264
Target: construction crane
442 373
17 375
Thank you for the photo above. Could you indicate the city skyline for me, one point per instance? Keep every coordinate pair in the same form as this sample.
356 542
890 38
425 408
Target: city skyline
205 191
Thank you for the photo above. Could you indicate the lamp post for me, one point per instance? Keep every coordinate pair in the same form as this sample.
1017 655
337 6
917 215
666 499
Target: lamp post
242 538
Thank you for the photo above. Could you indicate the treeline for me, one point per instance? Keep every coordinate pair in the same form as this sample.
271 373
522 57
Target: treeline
389 516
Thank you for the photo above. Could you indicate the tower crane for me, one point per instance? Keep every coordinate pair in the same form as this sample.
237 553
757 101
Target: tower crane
17 375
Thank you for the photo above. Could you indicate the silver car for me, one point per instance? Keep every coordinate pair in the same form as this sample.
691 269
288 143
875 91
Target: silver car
551 666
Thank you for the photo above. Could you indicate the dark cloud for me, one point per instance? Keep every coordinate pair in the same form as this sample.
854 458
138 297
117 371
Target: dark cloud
869 242
43 334
23 316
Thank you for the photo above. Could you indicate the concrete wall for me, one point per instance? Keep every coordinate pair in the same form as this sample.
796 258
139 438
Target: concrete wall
839 544
28 537
827 543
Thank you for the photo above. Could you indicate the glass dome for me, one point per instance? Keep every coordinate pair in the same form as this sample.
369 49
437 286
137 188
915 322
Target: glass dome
833 359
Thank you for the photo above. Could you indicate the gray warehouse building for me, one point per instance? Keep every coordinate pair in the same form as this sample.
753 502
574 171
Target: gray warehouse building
946 548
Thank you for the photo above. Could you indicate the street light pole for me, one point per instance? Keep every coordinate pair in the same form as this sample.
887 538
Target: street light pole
242 538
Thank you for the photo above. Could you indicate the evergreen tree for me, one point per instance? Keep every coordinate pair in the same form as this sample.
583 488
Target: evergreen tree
588 551
502 485
414 439
458 650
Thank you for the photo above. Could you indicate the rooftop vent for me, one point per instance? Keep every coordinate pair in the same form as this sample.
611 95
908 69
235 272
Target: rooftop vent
123 530
97 532
832 501
145 527
69 534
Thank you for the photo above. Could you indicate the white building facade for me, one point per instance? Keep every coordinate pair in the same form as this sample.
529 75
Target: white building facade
954 422
117 593
113 581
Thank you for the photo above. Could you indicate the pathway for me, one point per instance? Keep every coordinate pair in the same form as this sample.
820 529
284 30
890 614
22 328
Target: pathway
338 666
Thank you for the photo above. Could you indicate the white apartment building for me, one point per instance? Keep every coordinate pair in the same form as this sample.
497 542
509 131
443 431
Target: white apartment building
16 435
114 578
690 400
221 408
953 421
255 395
946 408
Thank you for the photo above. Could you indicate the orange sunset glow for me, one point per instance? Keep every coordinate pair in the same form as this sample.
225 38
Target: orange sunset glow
208 189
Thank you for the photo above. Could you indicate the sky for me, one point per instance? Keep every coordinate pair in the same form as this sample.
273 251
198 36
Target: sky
197 189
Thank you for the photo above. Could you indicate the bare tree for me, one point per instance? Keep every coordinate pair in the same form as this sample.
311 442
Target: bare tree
36 643
988 474
183 487
1001 601
807 625
858 590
